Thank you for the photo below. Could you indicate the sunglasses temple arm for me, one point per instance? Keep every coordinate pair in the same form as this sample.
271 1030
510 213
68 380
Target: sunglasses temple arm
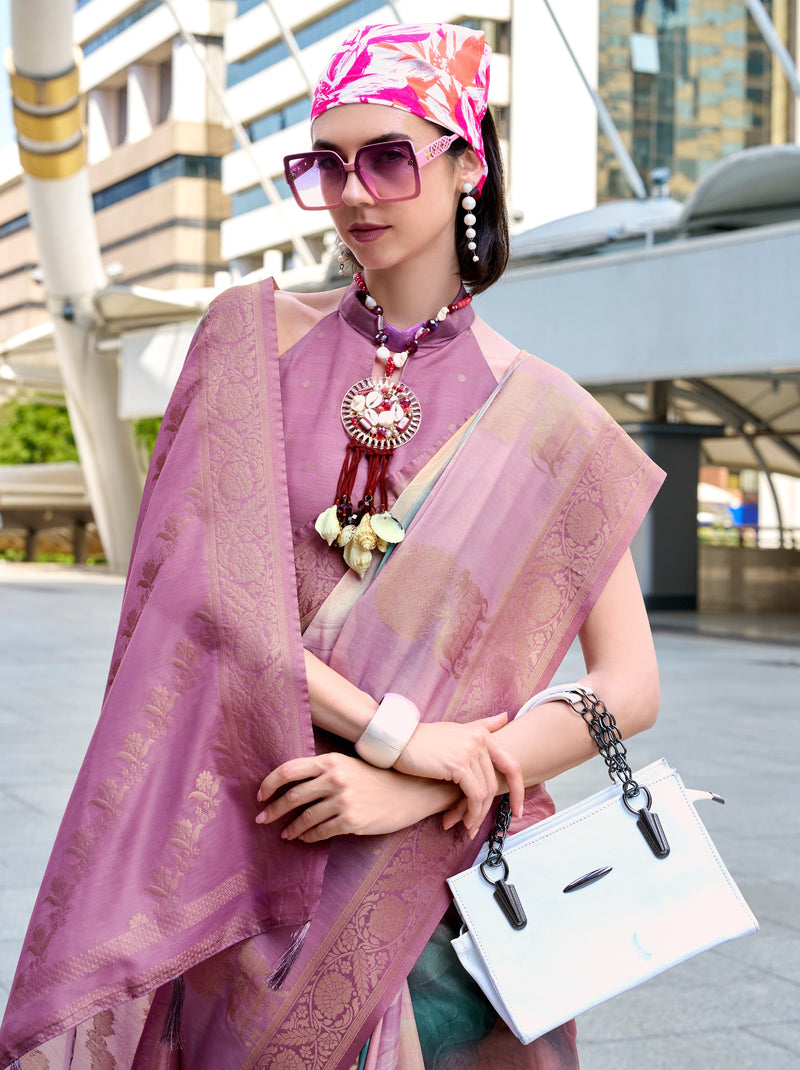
436 148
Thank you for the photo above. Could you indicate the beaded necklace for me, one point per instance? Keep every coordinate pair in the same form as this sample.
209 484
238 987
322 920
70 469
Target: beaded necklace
378 415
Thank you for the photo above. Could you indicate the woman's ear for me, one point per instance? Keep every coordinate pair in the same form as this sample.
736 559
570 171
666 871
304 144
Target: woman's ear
469 168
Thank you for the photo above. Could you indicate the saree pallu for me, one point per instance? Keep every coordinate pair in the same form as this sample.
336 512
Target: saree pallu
293 953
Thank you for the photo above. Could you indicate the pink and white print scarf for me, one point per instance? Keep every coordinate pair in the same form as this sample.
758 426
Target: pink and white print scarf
437 71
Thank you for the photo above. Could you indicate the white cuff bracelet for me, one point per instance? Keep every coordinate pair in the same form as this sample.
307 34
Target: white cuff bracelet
387 734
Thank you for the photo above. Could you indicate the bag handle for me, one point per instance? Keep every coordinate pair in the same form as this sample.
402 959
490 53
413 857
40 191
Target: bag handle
608 739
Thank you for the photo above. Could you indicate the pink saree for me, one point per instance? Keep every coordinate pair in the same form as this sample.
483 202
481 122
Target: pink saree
291 956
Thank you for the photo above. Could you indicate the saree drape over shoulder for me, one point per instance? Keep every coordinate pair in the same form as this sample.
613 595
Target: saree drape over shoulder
162 891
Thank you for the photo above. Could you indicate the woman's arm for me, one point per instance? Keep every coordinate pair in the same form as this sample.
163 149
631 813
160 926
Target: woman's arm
343 794
465 754
621 669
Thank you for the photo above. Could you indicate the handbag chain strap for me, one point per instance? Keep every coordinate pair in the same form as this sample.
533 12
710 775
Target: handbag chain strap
608 740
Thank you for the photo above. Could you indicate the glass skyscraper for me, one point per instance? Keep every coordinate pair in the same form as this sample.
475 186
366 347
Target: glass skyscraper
688 82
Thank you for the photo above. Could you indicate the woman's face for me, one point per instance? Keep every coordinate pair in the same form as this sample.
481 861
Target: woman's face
383 234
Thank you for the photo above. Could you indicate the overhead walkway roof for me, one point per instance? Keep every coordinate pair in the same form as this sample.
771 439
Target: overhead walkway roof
703 296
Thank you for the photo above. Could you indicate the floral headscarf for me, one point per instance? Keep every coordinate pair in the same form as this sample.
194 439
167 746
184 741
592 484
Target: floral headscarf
437 71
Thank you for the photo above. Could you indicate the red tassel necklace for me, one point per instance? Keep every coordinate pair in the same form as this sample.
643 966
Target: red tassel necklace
379 415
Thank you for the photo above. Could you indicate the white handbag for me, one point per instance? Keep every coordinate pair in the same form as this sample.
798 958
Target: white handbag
597 898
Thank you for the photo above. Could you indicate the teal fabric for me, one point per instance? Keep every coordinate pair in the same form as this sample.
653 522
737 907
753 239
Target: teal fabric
450 1009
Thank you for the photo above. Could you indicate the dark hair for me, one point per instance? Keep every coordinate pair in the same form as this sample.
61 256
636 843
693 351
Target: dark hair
492 218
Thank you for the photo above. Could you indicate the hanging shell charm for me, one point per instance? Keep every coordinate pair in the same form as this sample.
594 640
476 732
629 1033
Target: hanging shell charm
365 535
387 528
327 525
346 535
357 557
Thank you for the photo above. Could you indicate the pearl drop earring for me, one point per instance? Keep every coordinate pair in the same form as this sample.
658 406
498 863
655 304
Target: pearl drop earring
468 202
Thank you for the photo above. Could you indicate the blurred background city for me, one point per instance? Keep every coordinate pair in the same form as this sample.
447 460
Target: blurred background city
653 164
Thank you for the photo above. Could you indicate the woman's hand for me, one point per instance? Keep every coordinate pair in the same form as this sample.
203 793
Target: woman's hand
340 795
470 756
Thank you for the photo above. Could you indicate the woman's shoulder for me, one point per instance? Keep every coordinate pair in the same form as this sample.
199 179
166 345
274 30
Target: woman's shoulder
498 352
298 313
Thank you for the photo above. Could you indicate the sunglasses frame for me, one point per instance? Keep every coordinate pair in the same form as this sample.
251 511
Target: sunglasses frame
416 159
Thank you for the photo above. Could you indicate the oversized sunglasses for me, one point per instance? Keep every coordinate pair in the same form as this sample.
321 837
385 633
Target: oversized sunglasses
389 171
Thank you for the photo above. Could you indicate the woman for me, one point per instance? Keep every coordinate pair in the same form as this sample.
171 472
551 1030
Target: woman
305 726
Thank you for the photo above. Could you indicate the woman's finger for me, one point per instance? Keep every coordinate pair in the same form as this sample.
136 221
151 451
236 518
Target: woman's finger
455 814
294 769
509 766
319 813
299 795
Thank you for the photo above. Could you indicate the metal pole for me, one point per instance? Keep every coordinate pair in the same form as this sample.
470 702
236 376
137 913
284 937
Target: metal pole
45 86
762 464
606 122
774 43
291 44
239 132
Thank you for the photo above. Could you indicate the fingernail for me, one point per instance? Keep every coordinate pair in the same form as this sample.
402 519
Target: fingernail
258 797
260 818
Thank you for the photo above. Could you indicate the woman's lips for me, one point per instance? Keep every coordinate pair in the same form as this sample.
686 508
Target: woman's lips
365 232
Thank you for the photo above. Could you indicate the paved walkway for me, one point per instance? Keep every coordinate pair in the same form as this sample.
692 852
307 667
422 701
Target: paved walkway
729 722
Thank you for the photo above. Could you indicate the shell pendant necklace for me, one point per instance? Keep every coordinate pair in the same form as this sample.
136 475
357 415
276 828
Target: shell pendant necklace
378 414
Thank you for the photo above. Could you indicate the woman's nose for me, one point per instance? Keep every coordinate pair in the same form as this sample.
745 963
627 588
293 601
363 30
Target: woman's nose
355 192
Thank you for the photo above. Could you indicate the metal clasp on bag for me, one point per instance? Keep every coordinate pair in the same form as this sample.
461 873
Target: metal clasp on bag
648 823
506 896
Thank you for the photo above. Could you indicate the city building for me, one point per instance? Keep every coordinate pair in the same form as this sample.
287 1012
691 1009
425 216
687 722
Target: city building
689 83
155 143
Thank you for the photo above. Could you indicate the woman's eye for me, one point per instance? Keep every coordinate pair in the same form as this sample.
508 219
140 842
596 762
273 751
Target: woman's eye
389 158
328 163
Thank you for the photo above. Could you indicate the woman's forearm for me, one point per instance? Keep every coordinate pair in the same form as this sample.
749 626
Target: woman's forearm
337 705
621 670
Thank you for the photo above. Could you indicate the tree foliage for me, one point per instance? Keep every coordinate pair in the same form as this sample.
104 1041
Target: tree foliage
35 433
32 432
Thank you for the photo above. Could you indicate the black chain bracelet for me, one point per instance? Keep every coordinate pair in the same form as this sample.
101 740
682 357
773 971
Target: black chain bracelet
608 739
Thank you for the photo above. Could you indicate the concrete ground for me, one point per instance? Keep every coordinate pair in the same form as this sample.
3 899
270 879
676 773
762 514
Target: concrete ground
729 723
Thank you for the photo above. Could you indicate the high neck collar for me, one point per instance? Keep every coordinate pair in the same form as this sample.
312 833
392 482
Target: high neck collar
362 320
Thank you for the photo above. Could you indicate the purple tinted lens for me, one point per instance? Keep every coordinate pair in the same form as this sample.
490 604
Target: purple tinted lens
316 178
389 171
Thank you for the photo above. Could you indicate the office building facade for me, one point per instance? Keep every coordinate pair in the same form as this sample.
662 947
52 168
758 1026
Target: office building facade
688 83
155 143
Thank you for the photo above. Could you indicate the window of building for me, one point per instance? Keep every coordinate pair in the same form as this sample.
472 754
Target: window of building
296 112
259 61
208 167
12 226
248 200
305 36
116 28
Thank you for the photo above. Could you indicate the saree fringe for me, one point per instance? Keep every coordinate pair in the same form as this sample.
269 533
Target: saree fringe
171 1033
287 959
